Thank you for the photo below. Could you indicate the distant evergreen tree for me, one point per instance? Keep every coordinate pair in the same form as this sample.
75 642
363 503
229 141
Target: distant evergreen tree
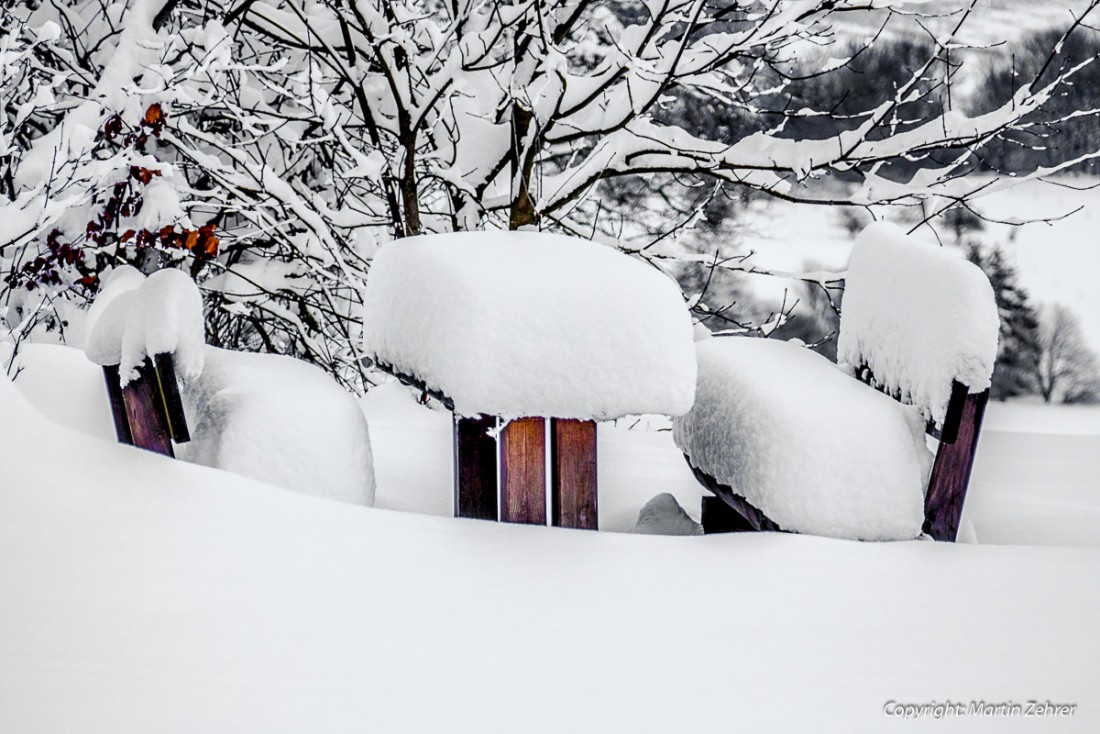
1018 351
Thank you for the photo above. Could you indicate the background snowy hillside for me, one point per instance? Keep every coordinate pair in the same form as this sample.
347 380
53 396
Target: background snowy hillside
1058 256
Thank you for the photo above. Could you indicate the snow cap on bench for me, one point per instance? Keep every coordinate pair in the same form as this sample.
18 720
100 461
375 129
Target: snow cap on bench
530 324
815 450
919 316
135 317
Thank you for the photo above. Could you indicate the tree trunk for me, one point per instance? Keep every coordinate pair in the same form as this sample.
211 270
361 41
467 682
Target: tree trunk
522 213
409 194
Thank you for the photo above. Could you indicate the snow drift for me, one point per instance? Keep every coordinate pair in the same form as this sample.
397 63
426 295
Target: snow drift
282 421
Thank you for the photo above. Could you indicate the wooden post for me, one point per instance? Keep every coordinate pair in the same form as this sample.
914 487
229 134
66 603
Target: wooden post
118 408
573 475
475 468
523 471
145 412
943 504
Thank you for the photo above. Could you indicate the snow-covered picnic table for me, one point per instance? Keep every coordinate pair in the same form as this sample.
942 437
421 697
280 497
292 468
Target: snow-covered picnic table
518 327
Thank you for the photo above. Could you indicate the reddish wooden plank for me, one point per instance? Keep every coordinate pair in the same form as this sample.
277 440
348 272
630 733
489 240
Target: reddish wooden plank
573 473
145 412
943 504
475 468
523 471
118 408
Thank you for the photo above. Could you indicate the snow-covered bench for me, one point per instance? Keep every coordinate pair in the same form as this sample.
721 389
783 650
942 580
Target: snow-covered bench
512 329
143 331
266 416
789 441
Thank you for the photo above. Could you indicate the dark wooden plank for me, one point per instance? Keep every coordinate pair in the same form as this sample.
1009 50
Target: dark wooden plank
573 474
956 407
943 504
173 403
475 468
719 517
755 518
523 471
145 412
118 408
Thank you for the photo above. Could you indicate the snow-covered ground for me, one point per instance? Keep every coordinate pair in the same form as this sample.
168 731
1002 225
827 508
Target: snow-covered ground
140 594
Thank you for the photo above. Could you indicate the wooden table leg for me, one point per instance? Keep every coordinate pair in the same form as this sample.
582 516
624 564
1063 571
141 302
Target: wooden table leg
573 495
475 468
145 412
523 471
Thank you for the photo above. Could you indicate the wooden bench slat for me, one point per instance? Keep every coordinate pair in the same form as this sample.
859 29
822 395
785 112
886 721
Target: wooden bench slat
943 503
170 395
118 407
754 517
573 477
523 471
475 468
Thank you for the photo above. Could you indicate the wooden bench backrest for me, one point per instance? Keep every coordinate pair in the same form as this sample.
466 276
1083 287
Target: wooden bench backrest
907 301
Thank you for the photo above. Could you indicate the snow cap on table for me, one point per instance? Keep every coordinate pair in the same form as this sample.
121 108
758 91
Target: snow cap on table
524 323
136 317
919 316
817 451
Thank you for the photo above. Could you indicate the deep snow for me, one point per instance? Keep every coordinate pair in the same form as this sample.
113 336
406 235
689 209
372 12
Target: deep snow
139 594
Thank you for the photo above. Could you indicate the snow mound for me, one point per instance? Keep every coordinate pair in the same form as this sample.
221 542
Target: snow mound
523 323
919 316
65 387
135 317
817 451
282 421
663 515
